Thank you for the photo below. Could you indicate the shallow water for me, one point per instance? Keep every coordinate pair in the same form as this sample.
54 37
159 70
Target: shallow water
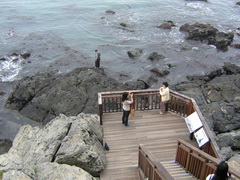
63 35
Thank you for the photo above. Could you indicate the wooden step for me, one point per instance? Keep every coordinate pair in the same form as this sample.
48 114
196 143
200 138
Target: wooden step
177 171
158 133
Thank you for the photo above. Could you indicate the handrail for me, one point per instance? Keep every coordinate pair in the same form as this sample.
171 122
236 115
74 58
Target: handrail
149 168
150 99
190 157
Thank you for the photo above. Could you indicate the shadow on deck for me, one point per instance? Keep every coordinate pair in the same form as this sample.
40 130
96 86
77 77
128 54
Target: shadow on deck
158 133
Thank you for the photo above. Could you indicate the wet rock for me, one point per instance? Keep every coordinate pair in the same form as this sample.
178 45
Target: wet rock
5 145
208 34
123 24
139 84
231 139
160 72
133 54
2 93
238 3
110 12
225 116
25 55
148 81
155 56
44 96
75 142
230 69
2 59
237 46
165 26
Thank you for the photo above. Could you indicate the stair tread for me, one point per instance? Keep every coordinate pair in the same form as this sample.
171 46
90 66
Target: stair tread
176 170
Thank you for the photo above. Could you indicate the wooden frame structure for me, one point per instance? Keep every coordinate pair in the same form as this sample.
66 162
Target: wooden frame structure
110 102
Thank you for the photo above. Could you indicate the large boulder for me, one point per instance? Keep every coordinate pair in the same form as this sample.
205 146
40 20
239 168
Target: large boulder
61 172
44 96
75 141
155 56
231 139
208 34
135 53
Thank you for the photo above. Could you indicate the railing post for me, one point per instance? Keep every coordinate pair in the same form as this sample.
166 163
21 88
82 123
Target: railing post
100 107
190 107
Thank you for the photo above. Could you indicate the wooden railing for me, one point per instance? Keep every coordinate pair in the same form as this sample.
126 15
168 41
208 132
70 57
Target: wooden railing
180 104
150 99
197 162
144 100
149 168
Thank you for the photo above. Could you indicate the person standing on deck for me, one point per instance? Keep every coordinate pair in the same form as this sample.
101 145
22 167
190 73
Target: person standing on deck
97 61
164 92
221 172
126 106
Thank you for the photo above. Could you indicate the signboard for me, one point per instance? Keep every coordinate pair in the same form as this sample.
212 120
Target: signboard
201 137
193 122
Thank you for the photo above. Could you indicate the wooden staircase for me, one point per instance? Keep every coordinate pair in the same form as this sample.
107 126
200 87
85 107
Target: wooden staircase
177 171
158 133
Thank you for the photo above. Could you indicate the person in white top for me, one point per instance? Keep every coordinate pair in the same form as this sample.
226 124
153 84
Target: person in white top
164 92
126 106
221 172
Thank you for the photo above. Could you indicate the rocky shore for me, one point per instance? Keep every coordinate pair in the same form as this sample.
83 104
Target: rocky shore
72 143
66 147
218 95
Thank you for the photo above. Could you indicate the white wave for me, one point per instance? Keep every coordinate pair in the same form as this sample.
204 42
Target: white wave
201 7
10 68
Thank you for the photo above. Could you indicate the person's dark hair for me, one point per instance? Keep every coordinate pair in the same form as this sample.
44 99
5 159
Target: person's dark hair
124 96
221 172
96 50
165 84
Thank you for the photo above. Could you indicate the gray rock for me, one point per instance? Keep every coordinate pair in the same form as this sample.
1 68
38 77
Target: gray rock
165 26
49 171
155 56
160 72
110 11
226 152
148 81
208 34
15 175
217 93
44 96
82 146
71 140
134 54
5 145
139 84
231 139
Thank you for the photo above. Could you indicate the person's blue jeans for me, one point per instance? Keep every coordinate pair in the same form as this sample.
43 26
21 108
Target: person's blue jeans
125 117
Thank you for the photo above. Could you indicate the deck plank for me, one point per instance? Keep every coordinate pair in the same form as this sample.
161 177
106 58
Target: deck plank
158 133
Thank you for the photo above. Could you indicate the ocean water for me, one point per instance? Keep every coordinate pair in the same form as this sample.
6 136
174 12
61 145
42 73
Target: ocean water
62 35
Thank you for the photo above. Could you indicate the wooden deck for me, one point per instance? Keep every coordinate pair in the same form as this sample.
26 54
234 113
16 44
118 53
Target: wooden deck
159 134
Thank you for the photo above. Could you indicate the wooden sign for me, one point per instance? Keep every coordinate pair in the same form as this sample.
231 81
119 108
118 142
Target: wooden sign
201 137
193 122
